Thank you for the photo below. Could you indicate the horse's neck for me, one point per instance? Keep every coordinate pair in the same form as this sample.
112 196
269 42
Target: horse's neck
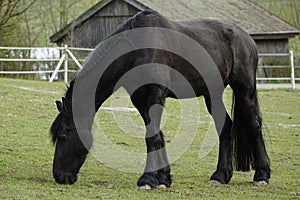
108 83
102 94
99 82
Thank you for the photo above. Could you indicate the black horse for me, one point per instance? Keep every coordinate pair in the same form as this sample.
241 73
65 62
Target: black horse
225 46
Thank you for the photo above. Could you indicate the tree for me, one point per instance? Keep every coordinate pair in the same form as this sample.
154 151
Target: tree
32 22
11 12
54 15
10 9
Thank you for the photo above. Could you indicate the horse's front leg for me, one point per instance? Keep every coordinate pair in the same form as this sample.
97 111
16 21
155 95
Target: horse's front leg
157 169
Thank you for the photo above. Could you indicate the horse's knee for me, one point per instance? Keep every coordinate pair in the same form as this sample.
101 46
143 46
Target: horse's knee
155 142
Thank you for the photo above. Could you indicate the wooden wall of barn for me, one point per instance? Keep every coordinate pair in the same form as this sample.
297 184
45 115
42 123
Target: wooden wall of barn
91 32
273 46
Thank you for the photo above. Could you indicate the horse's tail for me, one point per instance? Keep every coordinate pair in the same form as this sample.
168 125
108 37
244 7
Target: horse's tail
242 139
248 147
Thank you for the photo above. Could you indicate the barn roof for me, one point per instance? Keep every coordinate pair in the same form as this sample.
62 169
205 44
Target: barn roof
245 13
257 21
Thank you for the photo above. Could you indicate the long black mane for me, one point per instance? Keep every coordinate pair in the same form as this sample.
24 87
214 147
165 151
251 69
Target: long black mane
54 129
66 99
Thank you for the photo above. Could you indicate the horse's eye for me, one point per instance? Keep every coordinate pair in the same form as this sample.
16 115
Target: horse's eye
62 137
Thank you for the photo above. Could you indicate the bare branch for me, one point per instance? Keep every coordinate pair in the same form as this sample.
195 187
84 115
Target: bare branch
10 10
24 10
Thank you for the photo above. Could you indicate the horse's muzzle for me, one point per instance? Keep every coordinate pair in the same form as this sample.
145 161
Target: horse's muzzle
68 179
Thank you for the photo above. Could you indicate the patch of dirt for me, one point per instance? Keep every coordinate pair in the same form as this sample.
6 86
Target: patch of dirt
38 180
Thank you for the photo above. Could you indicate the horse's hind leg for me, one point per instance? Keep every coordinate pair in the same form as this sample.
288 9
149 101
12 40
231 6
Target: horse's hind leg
224 170
149 100
248 143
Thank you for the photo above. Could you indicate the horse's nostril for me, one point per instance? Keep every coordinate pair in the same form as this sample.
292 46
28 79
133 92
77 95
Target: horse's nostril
70 179
58 180
65 179
57 177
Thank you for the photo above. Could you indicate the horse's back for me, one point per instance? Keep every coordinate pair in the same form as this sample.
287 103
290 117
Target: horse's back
229 46
206 31
226 42
220 38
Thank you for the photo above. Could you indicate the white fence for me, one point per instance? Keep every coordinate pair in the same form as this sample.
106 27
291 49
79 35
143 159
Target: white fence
58 56
61 56
291 57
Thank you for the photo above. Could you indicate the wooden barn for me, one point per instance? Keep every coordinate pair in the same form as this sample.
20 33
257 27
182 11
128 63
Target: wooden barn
270 32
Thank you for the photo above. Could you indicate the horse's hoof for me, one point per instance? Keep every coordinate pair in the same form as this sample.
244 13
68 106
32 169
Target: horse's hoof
145 187
260 183
214 182
163 186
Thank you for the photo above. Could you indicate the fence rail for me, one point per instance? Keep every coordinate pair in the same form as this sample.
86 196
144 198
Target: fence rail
292 77
62 55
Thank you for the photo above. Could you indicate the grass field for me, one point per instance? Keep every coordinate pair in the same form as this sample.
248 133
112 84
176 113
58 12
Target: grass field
27 110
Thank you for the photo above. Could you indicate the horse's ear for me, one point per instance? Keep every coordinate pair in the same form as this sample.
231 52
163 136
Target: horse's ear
66 104
59 106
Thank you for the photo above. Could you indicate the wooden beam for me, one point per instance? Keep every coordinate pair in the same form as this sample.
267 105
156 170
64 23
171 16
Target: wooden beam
274 36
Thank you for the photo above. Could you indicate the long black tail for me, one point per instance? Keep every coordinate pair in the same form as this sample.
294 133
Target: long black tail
243 133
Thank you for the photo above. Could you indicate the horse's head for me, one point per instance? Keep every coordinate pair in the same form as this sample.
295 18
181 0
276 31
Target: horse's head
70 152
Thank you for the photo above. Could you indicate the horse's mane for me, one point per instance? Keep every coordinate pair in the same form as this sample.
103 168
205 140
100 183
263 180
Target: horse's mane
69 91
55 127
56 123
127 25
132 22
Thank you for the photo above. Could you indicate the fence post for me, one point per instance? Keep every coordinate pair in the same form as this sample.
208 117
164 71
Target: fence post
66 64
292 70
57 68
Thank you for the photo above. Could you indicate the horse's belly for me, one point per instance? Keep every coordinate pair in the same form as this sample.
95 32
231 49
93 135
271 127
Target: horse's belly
187 87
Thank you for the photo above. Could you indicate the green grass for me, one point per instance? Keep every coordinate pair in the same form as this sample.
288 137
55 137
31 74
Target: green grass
26 151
